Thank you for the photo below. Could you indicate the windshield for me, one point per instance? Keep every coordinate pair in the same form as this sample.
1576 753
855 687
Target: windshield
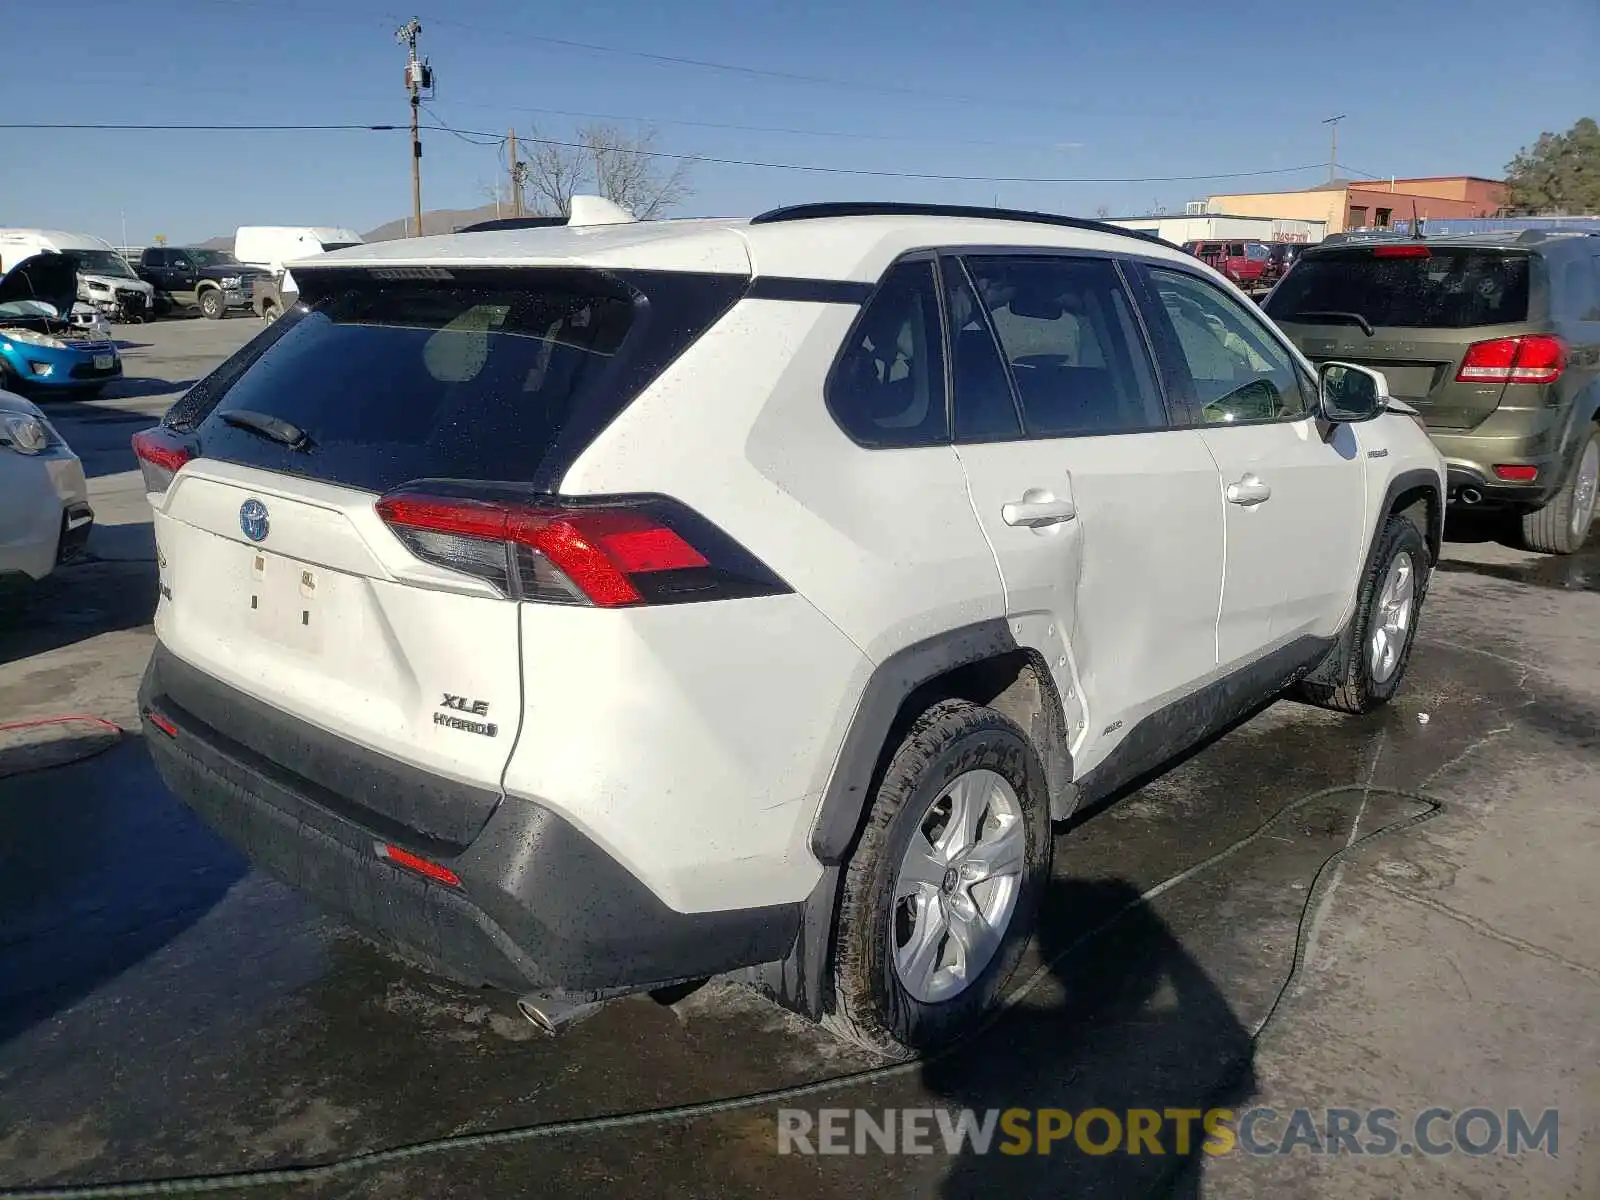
1439 288
327 246
213 258
1257 251
101 262
26 309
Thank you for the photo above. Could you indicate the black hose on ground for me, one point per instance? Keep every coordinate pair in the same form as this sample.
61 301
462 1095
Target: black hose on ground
319 1172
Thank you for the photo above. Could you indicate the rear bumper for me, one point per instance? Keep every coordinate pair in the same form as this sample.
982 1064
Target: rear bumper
1471 457
42 368
540 906
51 517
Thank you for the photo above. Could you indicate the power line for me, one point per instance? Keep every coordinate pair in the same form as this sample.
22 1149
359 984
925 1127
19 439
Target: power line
679 60
1371 175
184 128
742 69
470 139
1018 144
925 175
812 168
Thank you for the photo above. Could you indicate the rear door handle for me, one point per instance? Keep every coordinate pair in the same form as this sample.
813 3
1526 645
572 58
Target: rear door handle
1037 509
1249 490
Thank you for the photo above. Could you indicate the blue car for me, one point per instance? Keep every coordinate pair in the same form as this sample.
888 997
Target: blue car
40 348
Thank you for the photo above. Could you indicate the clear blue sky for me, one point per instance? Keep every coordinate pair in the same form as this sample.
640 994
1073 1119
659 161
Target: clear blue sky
1041 88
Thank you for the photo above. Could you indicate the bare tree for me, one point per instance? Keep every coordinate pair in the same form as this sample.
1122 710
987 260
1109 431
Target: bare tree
1102 211
624 168
554 174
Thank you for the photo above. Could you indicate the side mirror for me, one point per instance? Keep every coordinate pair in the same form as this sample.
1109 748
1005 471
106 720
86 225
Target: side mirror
1348 393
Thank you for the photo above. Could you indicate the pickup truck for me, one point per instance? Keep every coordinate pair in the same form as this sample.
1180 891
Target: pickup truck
1248 264
273 296
190 277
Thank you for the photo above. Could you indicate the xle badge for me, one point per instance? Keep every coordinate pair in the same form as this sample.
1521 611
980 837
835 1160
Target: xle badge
478 708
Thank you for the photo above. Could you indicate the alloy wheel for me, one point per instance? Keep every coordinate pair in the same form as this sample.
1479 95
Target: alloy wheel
957 885
1391 622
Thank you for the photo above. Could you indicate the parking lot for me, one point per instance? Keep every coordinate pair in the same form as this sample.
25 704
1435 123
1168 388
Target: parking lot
165 1011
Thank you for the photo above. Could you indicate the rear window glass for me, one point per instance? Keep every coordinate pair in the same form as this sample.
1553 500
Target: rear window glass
394 381
1452 288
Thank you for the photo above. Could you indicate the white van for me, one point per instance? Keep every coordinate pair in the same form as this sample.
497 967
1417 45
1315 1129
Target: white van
271 246
105 280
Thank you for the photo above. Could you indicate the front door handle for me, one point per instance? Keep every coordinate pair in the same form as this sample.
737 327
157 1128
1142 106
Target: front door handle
1249 490
1037 509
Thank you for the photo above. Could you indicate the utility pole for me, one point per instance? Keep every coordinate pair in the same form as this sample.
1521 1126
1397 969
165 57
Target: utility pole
516 176
1333 150
418 77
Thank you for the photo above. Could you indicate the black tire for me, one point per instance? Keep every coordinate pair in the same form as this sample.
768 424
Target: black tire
871 1007
213 304
1552 529
1344 680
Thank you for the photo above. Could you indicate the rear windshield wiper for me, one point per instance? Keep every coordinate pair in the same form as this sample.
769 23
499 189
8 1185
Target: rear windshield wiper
1354 318
274 428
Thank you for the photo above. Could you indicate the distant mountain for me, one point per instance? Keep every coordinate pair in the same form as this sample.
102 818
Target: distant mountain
438 220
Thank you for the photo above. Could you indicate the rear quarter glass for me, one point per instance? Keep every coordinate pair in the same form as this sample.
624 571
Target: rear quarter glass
500 374
1451 287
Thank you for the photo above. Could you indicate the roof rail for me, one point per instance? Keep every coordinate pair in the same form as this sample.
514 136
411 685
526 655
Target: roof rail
895 208
1540 235
1368 235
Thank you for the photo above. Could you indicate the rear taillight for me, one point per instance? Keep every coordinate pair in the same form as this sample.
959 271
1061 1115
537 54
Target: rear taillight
1535 358
161 453
608 553
1403 250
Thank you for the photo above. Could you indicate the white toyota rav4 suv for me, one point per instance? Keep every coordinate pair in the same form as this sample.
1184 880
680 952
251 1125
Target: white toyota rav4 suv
583 610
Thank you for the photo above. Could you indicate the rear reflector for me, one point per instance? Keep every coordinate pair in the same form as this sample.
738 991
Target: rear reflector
1514 473
606 553
1403 250
422 866
161 454
161 722
1534 358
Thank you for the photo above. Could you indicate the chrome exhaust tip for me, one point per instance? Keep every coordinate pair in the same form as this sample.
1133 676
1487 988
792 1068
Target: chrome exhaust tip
551 1014
1470 495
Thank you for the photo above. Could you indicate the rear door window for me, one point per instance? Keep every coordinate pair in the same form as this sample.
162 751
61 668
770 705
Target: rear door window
985 406
1074 348
478 376
1432 287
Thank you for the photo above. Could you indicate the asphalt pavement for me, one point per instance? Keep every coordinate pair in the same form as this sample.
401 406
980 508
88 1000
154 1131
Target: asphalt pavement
166 1011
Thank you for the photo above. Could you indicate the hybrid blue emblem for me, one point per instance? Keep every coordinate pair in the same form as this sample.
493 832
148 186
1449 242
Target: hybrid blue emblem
253 520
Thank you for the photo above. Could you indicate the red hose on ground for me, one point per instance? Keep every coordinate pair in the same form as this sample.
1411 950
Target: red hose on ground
40 722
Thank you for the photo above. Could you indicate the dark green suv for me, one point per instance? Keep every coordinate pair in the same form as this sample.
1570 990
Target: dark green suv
1493 338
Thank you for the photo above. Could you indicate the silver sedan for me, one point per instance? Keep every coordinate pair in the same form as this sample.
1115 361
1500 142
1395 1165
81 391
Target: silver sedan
45 516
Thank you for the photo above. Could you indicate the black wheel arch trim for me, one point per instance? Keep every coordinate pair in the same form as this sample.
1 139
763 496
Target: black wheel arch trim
1414 480
895 680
